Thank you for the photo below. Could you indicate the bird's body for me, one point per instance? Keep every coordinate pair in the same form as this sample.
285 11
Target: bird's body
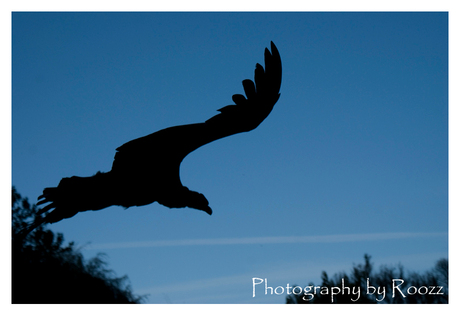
146 169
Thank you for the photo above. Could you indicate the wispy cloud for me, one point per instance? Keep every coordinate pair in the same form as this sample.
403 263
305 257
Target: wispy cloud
263 240
237 288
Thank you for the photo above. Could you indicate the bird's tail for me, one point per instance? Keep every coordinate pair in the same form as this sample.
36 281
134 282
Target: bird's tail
77 194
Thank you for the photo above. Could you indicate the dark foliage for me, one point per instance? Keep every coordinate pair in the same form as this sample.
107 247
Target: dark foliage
388 286
46 271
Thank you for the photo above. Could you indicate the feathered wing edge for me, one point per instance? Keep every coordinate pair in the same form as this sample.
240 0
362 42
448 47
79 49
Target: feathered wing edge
245 115
248 112
77 194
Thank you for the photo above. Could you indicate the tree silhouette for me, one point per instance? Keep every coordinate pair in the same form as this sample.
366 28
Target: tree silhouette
391 285
46 271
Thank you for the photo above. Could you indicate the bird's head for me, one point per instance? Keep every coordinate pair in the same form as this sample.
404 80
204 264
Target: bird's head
198 201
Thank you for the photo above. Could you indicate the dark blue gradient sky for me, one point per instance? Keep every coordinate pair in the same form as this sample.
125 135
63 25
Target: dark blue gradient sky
352 160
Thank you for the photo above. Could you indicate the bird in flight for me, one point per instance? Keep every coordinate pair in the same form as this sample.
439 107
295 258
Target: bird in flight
146 169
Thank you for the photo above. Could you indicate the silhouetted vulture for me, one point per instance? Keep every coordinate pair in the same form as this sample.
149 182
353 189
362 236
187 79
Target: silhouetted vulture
146 169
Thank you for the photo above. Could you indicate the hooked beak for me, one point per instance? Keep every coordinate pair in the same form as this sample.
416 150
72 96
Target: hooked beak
208 210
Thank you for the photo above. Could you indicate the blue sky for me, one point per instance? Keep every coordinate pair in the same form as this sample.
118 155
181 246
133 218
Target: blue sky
352 160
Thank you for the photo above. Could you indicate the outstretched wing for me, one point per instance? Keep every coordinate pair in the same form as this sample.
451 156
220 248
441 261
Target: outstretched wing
174 143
